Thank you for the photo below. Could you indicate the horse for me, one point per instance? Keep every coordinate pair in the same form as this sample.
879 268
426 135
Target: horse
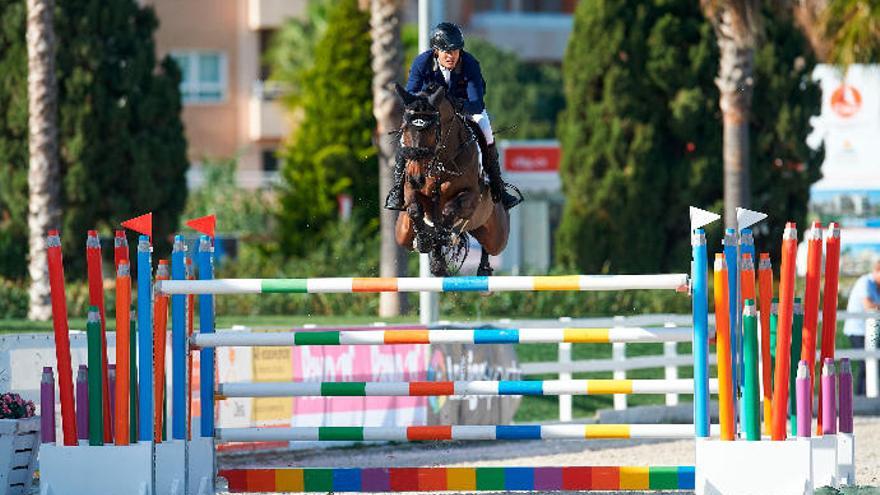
446 196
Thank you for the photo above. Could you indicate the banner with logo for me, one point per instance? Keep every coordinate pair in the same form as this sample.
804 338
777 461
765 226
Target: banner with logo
849 191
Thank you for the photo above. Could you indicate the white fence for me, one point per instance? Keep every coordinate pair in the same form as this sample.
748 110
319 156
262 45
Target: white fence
670 360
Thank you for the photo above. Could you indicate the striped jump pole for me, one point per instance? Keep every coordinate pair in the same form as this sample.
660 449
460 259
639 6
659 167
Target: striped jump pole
446 336
476 387
455 432
460 479
415 284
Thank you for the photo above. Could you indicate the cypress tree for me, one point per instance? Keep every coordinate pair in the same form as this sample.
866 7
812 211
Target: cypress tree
641 134
122 146
332 151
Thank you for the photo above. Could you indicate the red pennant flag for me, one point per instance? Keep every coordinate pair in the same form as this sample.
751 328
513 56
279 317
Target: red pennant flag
205 225
142 224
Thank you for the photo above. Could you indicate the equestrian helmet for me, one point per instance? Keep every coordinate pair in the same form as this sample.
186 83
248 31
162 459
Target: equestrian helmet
447 37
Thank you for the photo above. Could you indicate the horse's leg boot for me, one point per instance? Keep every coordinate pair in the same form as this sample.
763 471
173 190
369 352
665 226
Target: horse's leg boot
394 201
496 183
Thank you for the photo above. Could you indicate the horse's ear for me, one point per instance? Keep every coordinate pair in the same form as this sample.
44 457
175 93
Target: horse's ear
437 97
405 95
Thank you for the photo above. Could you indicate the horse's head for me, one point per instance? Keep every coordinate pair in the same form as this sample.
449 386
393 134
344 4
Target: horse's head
423 118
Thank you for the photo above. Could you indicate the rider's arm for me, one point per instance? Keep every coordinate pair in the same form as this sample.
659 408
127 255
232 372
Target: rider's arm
416 76
475 90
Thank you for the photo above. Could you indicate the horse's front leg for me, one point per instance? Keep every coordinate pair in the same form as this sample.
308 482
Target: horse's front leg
421 241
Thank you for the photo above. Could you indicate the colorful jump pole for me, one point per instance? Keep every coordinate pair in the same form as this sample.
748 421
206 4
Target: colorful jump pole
803 392
178 344
96 298
145 340
751 386
123 349
722 343
783 339
746 248
765 286
82 402
190 316
811 301
829 303
160 327
96 399
120 248
731 259
845 392
111 387
134 414
206 325
62 339
47 406
797 327
699 279
829 426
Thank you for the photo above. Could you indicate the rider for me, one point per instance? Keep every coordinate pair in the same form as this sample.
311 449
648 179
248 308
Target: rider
447 64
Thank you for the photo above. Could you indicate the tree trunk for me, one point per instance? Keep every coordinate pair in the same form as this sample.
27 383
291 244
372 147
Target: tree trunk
735 83
387 53
44 210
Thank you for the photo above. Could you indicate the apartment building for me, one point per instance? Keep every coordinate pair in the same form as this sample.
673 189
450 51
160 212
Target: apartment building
228 110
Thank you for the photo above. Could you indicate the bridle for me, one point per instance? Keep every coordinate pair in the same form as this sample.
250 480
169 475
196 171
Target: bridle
422 121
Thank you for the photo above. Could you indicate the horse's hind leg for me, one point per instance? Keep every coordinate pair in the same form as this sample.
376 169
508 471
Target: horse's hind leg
485 269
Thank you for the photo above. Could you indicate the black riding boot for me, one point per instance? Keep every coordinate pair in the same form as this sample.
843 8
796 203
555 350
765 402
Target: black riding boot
394 201
496 183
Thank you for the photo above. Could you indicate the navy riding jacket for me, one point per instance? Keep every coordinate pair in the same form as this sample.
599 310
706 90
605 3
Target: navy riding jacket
465 83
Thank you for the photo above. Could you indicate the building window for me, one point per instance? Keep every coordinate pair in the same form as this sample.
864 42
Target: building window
270 160
203 76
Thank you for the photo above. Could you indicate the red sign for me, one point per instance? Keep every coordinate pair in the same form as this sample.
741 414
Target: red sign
532 159
846 100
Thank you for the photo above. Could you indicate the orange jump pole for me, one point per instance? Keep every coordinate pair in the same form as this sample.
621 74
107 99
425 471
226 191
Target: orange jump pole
829 303
123 345
160 323
96 298
62 337
811 304
722 346
783 333
765 287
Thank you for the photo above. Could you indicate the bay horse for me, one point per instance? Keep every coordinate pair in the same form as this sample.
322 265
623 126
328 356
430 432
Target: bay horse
445 194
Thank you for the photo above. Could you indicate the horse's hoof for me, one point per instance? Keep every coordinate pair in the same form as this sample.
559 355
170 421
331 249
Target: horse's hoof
484 271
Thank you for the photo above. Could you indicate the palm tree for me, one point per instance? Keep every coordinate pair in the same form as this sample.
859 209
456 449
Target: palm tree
43 171
387 53
852 28
737 27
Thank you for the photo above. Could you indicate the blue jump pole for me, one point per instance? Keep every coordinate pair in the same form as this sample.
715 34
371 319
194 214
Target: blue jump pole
699 278
206 325
178 344
145 339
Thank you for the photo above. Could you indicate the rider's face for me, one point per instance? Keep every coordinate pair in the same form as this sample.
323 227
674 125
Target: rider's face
448 59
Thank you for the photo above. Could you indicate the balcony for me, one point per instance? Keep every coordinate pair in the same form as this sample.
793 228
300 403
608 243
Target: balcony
270 14
266 119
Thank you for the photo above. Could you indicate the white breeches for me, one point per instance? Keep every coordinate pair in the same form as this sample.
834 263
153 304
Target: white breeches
482 119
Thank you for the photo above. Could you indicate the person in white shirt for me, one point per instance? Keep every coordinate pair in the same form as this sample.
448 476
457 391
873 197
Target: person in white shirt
863 298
